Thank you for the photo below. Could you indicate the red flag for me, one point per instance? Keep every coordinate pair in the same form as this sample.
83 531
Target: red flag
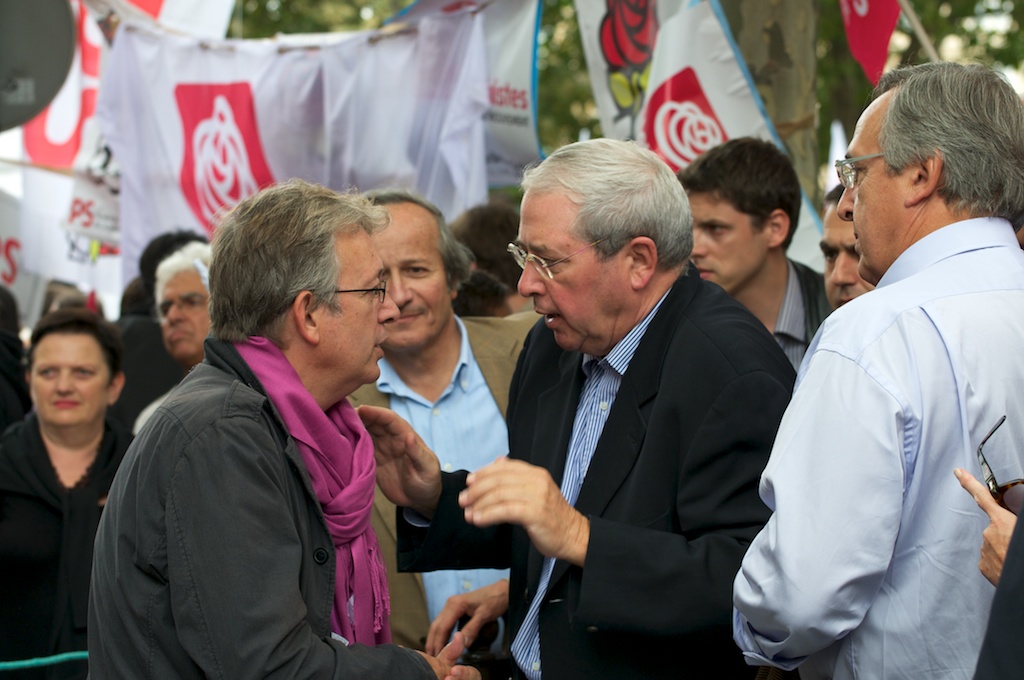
869 25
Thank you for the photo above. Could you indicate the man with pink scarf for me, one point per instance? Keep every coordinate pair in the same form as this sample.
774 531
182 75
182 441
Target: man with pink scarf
236 540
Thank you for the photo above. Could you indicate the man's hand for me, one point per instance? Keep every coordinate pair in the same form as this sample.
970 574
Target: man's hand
408 472
482 605
444 663
519 493
996 537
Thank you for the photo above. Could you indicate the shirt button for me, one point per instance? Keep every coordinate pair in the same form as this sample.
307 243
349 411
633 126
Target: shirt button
447 467
320 556
604 405
466 585
436 411
591 629
536 665
465 384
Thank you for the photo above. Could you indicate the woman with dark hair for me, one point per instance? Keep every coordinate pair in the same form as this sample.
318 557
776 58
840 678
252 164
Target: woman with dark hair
56 467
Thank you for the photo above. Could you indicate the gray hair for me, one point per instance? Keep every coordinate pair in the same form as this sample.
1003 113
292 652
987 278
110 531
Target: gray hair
622 191
456 257
274 245
970 117
178 262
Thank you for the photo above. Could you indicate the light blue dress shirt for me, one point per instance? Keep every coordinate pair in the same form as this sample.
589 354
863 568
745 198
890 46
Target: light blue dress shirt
467 431
603 377
868 567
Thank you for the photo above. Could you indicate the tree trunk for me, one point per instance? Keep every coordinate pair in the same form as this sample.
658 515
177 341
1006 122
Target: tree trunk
778 40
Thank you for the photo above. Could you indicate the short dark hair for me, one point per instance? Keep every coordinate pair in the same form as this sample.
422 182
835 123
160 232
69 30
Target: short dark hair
79 320
158 249
482 294
753 175
833 196
9 318
487 230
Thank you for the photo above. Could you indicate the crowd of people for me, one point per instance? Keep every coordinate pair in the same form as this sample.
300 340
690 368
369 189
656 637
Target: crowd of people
616 433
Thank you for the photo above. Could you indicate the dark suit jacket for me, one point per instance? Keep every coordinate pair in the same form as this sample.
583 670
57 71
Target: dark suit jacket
671 494
1002 654
496 343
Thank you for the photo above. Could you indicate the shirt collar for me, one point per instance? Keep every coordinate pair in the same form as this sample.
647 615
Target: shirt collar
390 383
791 315
622 353
952 239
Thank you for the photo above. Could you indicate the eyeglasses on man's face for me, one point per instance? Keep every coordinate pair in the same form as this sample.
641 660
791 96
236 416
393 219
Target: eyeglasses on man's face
379 291
189 302
848 173
543 266
1009 495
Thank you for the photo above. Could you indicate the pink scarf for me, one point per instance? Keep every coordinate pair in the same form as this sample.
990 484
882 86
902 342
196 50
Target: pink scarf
338 453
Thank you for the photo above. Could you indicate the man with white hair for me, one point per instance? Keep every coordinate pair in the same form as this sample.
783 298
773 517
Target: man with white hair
182 304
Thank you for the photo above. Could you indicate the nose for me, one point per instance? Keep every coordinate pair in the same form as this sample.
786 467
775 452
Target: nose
700 244
844 209
63 383
397 292
388 309
531 281
844 273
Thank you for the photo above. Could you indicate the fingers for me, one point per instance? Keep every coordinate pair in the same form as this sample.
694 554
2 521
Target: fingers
441 627
982 496
451 652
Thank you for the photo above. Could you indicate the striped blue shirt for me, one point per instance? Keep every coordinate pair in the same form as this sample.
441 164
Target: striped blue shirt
603 377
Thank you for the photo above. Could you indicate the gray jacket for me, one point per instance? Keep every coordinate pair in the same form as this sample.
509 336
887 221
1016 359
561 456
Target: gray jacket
212 557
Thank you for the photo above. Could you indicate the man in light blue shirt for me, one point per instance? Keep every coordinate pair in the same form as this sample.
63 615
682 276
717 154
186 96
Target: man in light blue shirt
868 566
446 376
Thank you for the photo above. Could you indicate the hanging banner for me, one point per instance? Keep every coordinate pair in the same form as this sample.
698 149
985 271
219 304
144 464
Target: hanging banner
618 41
869 26
198 125
54 139
700 95
510 32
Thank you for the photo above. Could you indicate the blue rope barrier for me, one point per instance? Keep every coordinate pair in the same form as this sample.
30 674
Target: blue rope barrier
43 661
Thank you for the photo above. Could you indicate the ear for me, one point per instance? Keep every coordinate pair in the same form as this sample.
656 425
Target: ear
923 179
776 228
114 389
303 319
642 260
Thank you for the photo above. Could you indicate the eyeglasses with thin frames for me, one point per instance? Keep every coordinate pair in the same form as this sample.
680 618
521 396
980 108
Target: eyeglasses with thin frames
1009 495
522 257
188 302
380 291
848 173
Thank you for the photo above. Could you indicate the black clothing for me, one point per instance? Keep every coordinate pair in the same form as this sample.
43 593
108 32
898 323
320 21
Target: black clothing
46 545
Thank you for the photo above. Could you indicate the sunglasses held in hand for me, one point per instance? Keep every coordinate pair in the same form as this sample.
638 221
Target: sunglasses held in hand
1009 495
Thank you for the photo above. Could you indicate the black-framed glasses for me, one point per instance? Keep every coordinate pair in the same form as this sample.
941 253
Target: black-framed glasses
1009 495
522 257
848 173
380 291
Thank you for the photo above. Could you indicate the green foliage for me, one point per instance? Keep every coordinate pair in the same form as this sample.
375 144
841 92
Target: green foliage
977 30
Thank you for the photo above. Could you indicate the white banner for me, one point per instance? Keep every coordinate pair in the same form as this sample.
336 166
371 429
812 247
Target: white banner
198 125
700 94
510 30
618 41
53 139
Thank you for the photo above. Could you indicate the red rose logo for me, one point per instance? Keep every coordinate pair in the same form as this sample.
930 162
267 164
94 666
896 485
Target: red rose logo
223 161
628 32
681 124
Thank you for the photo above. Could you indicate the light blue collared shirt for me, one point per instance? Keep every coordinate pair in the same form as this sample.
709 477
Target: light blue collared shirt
868 567
467 431
603 377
